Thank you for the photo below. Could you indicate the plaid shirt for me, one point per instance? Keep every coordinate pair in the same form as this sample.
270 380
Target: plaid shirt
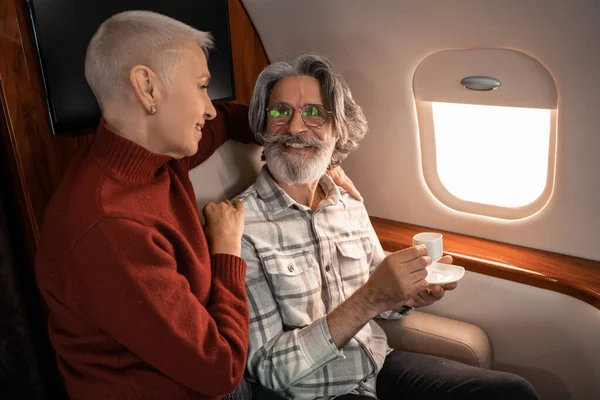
301 266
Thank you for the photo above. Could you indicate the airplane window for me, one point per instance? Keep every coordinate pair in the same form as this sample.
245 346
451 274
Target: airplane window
487 124
492 155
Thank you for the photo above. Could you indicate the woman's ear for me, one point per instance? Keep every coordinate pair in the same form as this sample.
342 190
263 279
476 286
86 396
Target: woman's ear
145 86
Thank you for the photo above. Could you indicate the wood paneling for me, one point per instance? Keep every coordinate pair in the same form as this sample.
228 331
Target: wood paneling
249 57
573 276
37 159
28 143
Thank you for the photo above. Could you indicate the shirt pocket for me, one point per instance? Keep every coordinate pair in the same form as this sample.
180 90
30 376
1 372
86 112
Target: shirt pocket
295 283
354 259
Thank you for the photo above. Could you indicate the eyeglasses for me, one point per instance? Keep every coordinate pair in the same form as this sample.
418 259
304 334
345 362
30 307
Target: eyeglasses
313 115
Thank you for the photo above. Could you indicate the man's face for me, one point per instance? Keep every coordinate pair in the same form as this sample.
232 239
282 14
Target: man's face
186 107
295 151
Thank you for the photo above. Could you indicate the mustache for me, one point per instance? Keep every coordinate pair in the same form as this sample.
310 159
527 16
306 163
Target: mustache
286 138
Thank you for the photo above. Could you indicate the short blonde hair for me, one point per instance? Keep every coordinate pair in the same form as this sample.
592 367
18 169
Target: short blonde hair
136 37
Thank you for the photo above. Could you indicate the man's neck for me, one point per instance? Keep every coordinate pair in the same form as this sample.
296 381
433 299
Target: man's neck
305 194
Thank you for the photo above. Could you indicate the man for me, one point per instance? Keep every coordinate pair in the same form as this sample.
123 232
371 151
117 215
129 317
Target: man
316 272
144 303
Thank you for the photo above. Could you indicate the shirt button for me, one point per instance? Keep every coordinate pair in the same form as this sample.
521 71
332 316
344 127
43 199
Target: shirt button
290 268
327 268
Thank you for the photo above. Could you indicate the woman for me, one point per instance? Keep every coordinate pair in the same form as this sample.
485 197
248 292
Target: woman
144 303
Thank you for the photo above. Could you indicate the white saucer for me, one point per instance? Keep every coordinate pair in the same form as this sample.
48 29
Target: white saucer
439 273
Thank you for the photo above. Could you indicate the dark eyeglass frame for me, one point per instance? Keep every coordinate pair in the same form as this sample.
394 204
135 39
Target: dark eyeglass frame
328 113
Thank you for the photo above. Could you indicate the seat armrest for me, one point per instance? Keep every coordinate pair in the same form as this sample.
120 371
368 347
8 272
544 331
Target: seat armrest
439 336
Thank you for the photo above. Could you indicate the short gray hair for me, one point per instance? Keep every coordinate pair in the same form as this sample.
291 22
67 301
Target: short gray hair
136 37
349 121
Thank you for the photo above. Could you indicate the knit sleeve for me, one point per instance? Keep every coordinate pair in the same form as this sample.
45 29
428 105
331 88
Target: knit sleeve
125 282
231 122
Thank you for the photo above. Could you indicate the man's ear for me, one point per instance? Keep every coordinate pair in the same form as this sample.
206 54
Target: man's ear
337 133
145 86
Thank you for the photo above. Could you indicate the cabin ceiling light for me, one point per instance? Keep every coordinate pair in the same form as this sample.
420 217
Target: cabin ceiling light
480 83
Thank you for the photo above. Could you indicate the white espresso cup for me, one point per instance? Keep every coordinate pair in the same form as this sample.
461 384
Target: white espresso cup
433 242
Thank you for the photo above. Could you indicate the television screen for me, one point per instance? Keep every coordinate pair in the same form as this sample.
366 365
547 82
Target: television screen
63 29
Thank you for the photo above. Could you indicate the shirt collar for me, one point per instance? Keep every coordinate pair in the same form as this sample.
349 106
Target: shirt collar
278 200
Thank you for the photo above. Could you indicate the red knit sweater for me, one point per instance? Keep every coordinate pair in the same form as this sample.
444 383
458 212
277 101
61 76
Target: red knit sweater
138 307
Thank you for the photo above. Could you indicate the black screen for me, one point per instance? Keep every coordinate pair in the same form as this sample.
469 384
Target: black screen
63 29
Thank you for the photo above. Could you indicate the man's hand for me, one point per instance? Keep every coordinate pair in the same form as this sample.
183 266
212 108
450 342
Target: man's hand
398 279
341 179
433 293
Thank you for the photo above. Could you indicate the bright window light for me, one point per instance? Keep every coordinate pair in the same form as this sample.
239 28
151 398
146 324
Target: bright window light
492 155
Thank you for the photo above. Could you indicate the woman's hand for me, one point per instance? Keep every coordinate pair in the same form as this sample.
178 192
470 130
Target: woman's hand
224 227
341 179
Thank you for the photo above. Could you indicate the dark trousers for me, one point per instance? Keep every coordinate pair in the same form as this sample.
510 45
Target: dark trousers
411 376
247 390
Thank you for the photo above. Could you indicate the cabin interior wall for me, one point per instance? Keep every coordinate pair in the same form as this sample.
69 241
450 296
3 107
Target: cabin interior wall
549 338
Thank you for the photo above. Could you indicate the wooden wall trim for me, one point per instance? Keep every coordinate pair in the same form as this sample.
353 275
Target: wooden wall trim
24 119
573 276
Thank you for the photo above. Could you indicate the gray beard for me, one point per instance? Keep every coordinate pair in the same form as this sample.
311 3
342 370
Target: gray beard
295 168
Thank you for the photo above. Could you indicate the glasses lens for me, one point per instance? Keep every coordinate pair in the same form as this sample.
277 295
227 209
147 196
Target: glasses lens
279 114
314 114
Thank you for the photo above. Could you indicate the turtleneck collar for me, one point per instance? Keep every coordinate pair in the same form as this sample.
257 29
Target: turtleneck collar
124 158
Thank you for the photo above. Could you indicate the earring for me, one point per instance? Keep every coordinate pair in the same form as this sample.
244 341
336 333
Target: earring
152 110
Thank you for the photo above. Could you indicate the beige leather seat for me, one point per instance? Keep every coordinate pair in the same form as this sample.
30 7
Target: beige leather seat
439 336
235 166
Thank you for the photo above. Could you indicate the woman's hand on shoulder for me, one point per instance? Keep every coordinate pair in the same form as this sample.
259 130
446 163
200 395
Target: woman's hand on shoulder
341 179
224 227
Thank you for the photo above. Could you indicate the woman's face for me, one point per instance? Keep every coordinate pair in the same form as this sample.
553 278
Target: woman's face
176 128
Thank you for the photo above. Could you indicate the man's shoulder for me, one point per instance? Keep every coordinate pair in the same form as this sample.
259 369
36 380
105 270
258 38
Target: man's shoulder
249 193
251 200
351 203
